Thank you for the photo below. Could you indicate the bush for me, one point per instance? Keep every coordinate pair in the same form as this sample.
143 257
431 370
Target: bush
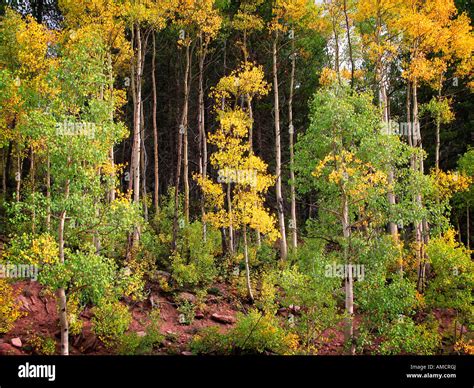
133 344
211 341
30 249
188 310
306 285
406 337
192 265
43 345
110 321
9 309
453 281
253 333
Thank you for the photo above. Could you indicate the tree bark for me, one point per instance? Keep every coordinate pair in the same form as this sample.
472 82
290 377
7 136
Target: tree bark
181 134
294 228
349 281
64 324
247 266
156 201
279 196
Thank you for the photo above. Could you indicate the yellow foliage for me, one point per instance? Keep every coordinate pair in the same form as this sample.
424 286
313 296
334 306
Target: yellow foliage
9 309
245 201
328 77
354 176
448 183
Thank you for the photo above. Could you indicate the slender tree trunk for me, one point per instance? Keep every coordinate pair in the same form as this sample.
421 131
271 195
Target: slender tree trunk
33 191
247 266
181 135
231 227
111 151
185 138
136 148
202 130
349 42
48 192
64 324
143 165
421 227
156 202
137 70
4 172
18 177
278 173
438 125
468 223
349 282
383 99
294 228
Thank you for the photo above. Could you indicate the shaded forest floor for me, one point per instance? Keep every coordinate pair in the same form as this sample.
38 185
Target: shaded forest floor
41 319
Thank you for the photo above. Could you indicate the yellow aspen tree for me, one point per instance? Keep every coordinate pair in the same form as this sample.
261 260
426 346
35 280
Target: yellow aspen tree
242 177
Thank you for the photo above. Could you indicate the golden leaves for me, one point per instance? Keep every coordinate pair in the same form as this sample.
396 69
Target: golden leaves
241 171
355 177
448 183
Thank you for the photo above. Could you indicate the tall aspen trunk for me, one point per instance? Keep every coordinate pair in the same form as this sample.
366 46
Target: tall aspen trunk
137 70
18 177
231 227
111 151
294 228
349 281
202 130
247 266
33 190
468 226
438 125
136 147
421 227
279 196
61 293
4 172
383 100
156 202
48 192
349 42
181 134
143 165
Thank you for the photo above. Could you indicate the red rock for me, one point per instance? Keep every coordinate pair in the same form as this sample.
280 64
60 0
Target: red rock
25 305
227 319
9 350
16 342
187 296
199 315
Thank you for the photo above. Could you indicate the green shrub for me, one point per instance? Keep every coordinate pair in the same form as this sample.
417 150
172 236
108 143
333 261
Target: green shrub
188 310
453 280
192 264
43 345
9 309
211 341
253 333
111 320
406 337
133 344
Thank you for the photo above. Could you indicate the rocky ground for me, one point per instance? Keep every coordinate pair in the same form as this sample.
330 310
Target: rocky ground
40 318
